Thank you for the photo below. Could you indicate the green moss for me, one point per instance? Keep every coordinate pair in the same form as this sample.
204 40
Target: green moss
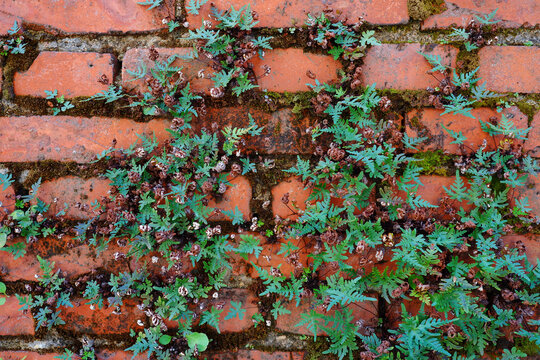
422 9
435 163
467 61
404 101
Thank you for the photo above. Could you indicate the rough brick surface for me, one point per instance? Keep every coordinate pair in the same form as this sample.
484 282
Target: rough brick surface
27 355
289 69
13 321
283 132
460 12
531 242
99 16
298 196
7 199
81 319
68 138
237 195
366 311
70 257
77 193
532 145
429 123
401 67
261 355
510 68
269 259
190 68
6 23
531 190
280 13
72 74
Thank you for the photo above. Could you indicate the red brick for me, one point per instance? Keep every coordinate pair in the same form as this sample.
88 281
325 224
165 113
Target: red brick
104 354
531 242
6 23
27 355
81 319
237 195
7 199
399 66
73 191
220 356
72 74
268 257
289 69
249 303
366 311
460 12
226 295
262 355
283 132
510 68
429 122
531 190
298 196
532 145
279 13
66 138
140 57
99 16
71 258
297 355
15 322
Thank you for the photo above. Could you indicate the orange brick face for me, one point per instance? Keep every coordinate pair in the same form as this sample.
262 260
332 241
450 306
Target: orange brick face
72 74
279 13
510 68
401 67
460 12
100 16
67 138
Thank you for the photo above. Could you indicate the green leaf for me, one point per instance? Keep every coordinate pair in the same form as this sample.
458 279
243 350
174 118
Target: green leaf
236 311
198 340
165 339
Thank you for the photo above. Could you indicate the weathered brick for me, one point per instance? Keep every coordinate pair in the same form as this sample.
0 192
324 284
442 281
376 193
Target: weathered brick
81 319
100 16
68 255
77 193
531 191
429 122
15 322
249 303
298 196
400 66
72 74
262 355
531 242
237 195
283 132
6 23
105 354
532 145
460 12
66 138
269 258
221 356
289 69
510 68
279 13
27 355
7 199
366 311
134 58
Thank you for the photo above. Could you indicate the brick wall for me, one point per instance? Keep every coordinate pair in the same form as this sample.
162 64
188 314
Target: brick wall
72 44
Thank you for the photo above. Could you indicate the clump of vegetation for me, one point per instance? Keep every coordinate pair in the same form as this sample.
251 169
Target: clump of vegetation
373 237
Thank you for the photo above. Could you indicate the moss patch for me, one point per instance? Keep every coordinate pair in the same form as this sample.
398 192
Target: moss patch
422 9
435 163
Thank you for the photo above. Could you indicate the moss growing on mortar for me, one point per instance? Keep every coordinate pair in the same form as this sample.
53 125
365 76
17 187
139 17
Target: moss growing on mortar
422 9
435 163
